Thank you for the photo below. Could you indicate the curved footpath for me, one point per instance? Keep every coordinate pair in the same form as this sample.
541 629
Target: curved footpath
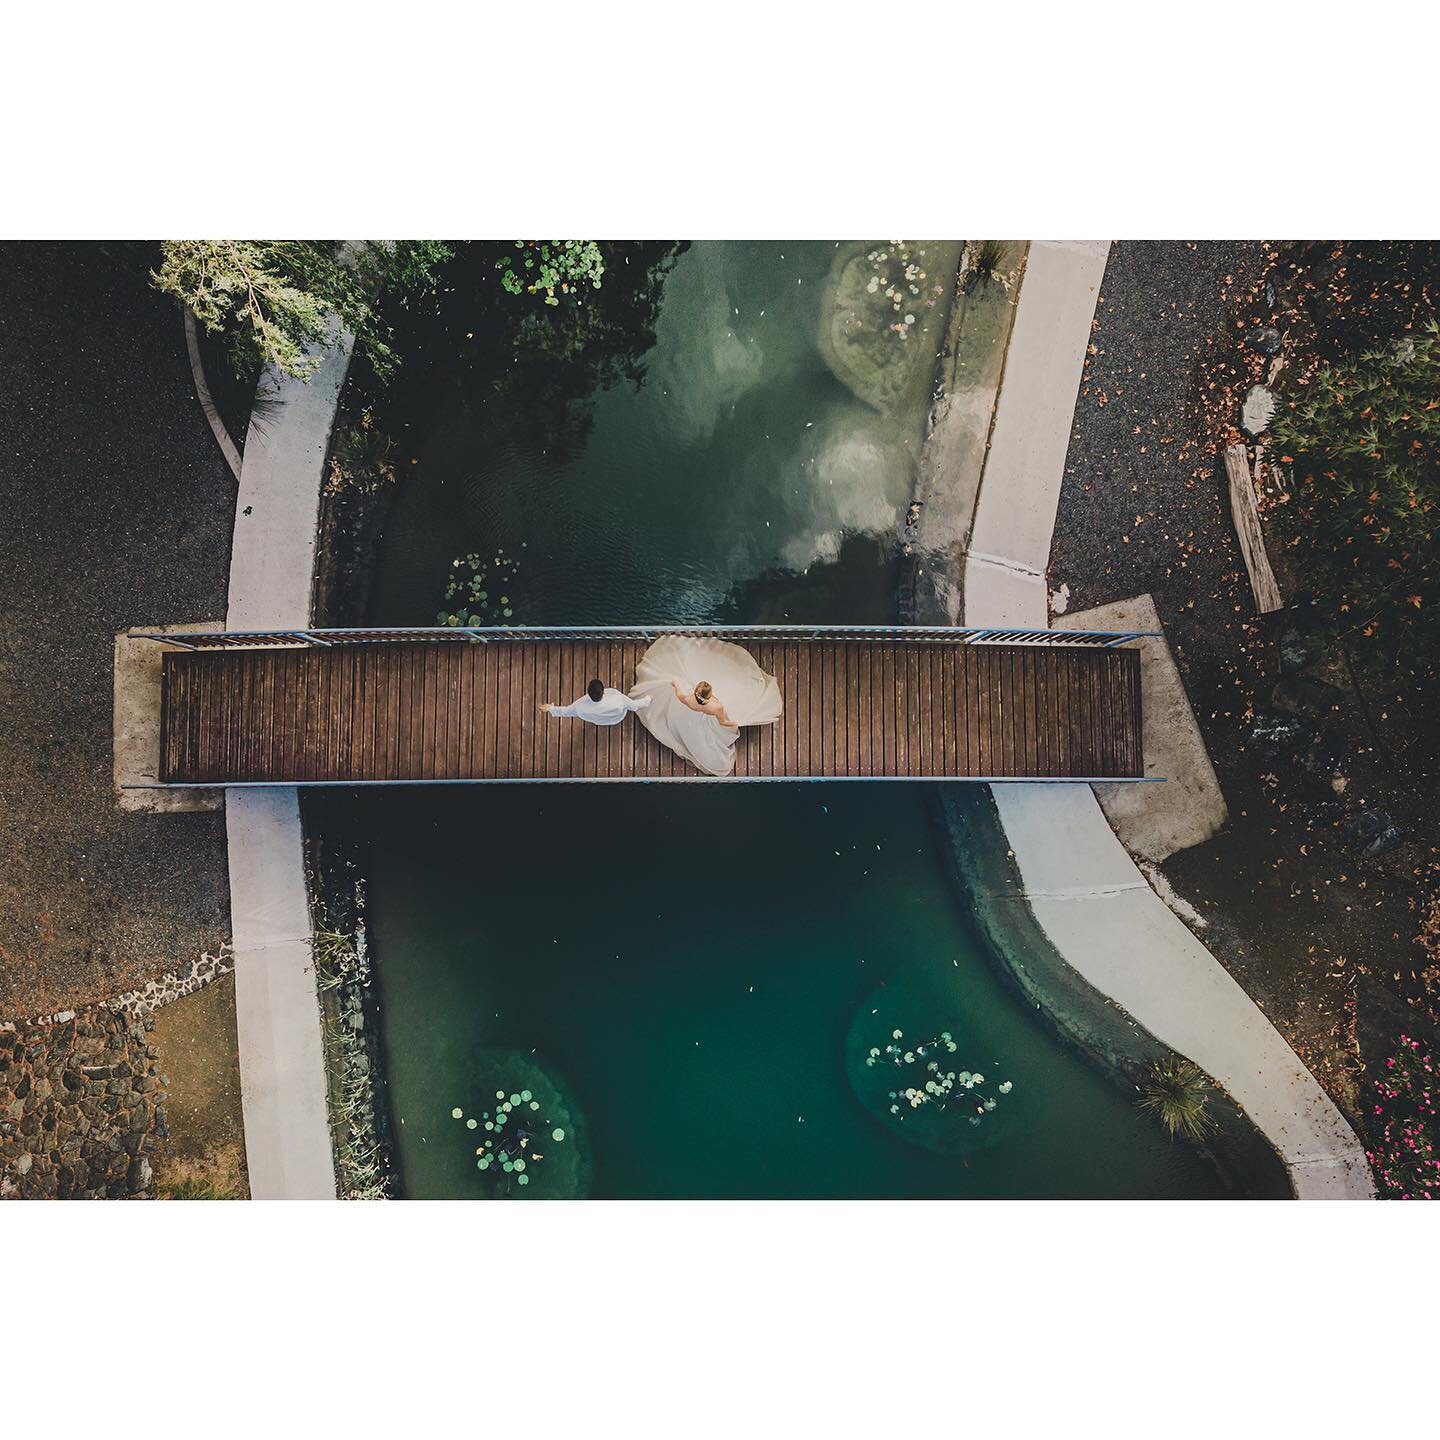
1083 888
272 561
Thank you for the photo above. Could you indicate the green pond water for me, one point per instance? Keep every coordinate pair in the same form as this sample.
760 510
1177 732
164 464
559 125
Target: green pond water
690 978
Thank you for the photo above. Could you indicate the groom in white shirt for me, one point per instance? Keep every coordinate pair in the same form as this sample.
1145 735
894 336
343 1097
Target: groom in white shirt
599 705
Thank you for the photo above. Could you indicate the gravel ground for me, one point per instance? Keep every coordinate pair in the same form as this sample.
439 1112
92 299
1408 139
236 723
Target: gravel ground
1293 912
118 509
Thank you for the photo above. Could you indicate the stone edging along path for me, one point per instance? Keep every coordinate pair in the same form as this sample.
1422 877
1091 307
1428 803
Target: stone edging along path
1080 883
282 1063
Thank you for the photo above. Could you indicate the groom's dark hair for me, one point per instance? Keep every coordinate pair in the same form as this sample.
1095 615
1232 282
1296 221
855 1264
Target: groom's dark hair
595 690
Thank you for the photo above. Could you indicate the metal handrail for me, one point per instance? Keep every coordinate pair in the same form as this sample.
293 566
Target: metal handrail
394 634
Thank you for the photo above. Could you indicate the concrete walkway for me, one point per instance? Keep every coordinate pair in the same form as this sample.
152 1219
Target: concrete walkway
1092 903
277 1009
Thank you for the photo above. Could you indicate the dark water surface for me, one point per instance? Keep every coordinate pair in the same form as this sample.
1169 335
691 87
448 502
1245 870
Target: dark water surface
697 966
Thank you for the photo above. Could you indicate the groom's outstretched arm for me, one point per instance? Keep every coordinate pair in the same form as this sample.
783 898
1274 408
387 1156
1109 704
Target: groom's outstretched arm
560 712
639 704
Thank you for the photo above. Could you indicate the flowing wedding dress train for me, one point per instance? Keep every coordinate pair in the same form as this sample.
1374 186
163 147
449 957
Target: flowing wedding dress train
749 695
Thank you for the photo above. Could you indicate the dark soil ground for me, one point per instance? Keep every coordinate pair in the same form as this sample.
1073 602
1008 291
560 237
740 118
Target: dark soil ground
118 509
1296 912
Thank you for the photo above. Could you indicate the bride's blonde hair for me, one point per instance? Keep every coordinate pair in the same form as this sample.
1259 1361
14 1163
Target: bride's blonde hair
703 692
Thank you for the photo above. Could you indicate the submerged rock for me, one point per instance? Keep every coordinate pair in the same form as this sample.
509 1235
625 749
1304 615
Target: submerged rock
1325 813
1275 736
1297 650
1372 833
1321 760
1304 695
1258 411
1265 339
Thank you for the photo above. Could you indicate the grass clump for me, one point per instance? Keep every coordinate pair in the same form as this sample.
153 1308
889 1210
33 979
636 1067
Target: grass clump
217 1175
984 265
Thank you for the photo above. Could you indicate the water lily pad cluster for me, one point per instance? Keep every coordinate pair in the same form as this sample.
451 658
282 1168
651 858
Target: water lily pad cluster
552 269
964 1093
524 1135
883 318
514 1136
901 273
480 589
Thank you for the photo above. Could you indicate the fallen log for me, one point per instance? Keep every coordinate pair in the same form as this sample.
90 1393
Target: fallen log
1246 516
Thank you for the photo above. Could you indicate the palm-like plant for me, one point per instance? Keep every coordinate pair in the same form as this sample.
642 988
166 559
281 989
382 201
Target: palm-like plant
1174 1092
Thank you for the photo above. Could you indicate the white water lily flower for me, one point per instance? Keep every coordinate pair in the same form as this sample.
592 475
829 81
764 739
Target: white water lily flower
1006 1087
456 1113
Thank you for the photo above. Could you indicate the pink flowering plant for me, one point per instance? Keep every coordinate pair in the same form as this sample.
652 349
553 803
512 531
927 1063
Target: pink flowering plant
1404 1158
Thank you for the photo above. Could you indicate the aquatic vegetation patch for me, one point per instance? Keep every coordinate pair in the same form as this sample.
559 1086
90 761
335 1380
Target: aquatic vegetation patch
927 1100
343 977
362 458
885 315
568 266
528 1136
481 589
921 1084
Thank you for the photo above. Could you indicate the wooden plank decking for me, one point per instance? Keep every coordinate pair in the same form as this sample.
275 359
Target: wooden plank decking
854 709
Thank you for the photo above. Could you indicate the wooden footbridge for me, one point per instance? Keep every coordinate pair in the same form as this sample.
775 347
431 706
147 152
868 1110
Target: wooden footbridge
348 707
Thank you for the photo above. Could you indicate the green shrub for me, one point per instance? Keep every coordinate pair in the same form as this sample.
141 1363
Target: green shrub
1364 452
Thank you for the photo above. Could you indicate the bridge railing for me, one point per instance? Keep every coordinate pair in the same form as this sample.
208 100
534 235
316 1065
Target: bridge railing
475 634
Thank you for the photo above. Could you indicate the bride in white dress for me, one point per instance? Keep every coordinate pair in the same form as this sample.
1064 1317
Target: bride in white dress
701 692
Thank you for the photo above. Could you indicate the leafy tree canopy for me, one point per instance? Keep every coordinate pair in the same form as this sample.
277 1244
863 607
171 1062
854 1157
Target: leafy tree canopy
272 299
